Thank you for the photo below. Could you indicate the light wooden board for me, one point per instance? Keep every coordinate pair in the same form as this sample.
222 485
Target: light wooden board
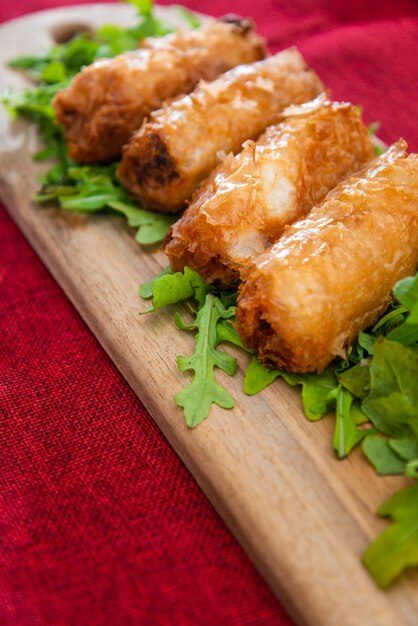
302 516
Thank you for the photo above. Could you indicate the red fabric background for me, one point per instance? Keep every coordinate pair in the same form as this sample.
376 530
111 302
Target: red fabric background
100 523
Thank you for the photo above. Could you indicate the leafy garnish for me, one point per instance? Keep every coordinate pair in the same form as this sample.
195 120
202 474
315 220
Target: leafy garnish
381 455
169 288
406 449
373 390
346 433
88 189
318 390
145 290
212 321
397 547
63 61
392 403
197 398
356 380
73 187
406 292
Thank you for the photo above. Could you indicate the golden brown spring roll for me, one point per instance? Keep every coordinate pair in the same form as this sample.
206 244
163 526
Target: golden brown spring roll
108 100
246 203
331 274
165 161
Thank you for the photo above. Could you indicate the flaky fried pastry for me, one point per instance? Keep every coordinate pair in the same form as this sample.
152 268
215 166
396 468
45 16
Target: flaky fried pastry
165 161
244 206
109 99
331 274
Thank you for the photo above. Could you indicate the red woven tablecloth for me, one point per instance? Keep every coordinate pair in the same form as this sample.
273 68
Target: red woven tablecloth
100 523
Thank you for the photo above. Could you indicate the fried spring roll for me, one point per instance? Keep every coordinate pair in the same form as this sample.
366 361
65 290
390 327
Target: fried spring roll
331 274
165 161
244 206
109 100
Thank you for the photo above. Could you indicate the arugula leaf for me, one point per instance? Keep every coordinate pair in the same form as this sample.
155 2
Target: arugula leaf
397 547
406 291
392 318
65 60
380 372
380 454
169 288
153 227
366 341
90 189
258 377
145 290
392 404
406 448
356 380
346 433
411 470
357 413
318 390
197 398
226 332
74 187
213 323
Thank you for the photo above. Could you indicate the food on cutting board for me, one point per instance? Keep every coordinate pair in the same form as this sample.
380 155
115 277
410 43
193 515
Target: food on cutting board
109 99
247 201
304 300
164 162
331 274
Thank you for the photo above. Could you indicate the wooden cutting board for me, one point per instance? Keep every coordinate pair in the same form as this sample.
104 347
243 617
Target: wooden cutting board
302 516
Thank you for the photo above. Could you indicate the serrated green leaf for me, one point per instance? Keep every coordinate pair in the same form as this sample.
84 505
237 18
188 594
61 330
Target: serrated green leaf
411 470
170 288
96 187
380 454
397 547
258 377
406 291
356 380
154 231
357 414
392 404
392 318
228 333
406 449
153 227
318 390
346 433
366 341
197 398
145 290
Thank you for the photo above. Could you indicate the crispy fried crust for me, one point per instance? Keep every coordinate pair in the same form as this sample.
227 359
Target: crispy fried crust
244 206
109 100
215 117
331 274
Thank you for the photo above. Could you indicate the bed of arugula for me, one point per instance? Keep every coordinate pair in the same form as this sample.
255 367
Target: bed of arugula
373 392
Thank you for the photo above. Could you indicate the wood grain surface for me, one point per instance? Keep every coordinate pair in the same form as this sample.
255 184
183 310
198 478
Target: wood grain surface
302 516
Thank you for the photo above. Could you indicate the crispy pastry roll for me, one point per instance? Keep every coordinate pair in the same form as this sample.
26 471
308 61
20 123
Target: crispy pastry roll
108 100
244 206
170 155
331 274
